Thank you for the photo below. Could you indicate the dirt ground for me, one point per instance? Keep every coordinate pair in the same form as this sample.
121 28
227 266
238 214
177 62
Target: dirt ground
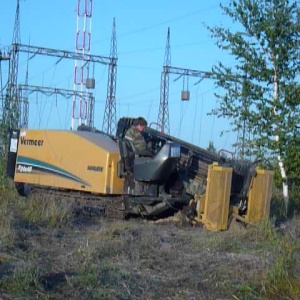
81 257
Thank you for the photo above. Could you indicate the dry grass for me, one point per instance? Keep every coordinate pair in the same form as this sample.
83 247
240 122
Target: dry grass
46 252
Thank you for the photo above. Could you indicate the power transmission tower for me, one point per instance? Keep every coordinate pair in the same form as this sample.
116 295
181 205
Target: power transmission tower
109 119
12 105
23 96
163 113
15 103
25 90
4 56
80 108
84 96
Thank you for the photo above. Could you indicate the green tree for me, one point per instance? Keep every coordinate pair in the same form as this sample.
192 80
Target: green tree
265 77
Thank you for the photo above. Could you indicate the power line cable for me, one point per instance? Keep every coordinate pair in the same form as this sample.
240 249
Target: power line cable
162 23
195 112
200 123
161 48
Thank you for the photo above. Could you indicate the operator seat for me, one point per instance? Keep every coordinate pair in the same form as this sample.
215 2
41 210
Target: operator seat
145 168
127 156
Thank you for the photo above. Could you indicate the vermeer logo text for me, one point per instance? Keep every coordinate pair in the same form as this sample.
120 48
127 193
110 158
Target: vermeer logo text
31 142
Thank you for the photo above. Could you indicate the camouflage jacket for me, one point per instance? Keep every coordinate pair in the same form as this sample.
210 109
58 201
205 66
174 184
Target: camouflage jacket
136 139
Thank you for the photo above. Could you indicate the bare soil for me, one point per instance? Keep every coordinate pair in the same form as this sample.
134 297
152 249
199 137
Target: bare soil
92 258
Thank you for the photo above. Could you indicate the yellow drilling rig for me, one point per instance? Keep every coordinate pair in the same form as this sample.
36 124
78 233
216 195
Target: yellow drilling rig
92 167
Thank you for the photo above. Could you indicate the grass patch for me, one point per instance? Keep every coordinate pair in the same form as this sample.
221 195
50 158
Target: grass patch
23 283
65 256
5 219
45 212
282 278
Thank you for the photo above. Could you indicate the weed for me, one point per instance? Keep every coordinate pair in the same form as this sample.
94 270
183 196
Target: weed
6 217
138 259
280 281
37 210
22 282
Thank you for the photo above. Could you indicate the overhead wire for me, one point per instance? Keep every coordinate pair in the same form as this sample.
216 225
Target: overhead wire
67 115
162 47
2 88
200 123
182 111
213 124
139 94
146 28
133 32
149 109
195 112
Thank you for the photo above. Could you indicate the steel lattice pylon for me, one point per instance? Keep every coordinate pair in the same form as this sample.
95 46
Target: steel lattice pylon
61 54
163 113
15 105
80 108
12 105
110 119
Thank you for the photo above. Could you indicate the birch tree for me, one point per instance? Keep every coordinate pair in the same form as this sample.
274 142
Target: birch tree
266 48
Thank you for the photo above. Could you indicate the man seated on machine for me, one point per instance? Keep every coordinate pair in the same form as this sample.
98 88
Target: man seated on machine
134 135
